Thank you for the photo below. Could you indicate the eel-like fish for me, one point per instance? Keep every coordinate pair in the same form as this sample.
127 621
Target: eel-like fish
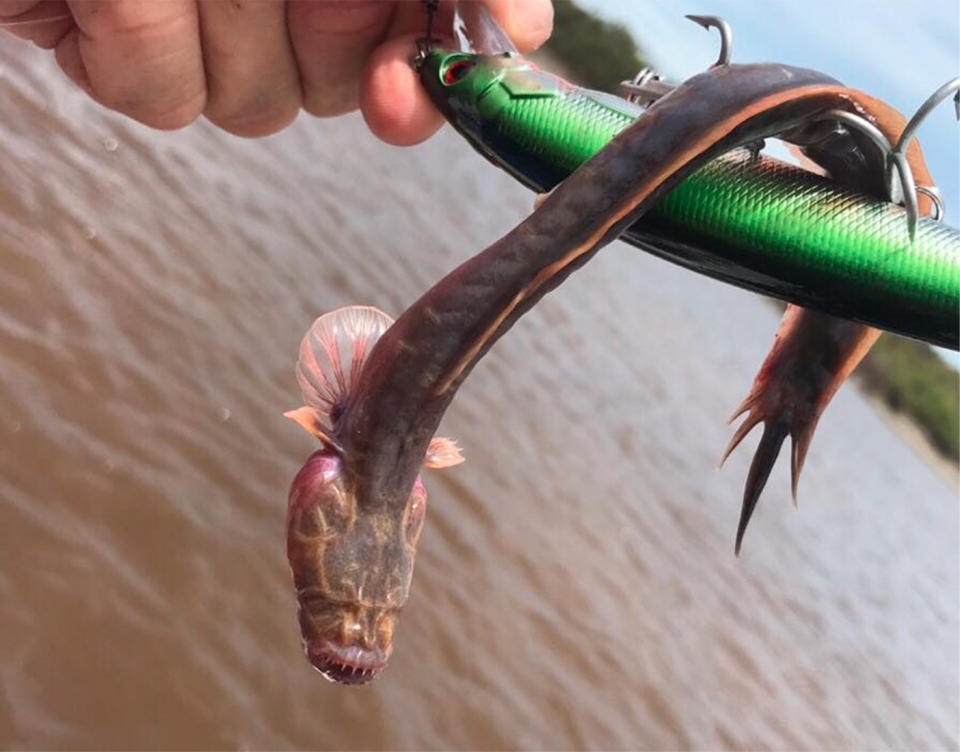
356 508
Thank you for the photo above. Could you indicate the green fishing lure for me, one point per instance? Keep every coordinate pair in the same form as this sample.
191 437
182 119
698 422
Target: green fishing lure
745 218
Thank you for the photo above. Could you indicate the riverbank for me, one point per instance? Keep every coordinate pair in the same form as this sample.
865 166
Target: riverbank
913 435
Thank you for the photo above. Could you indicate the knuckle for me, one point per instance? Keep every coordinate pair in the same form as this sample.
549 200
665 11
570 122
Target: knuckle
362 18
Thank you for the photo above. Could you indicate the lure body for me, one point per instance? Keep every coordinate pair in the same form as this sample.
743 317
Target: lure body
750 220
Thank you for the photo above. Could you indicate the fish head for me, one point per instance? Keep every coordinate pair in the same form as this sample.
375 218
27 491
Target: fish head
352 565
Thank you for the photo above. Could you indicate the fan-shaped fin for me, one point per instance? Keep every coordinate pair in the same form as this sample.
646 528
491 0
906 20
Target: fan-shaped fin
332 353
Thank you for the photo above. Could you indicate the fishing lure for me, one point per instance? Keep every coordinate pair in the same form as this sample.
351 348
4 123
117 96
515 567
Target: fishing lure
837 244
356 508
830 244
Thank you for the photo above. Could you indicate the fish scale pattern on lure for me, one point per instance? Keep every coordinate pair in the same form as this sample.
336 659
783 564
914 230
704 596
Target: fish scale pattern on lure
753 221
835 244
356 508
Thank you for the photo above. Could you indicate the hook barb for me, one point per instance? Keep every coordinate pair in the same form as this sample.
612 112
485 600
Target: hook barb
726 36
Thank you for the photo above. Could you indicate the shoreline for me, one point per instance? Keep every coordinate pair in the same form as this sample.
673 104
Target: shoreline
912 434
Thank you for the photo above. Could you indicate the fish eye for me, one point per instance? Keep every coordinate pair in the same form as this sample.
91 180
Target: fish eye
456 70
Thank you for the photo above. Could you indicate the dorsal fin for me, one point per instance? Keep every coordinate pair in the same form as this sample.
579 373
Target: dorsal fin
332 353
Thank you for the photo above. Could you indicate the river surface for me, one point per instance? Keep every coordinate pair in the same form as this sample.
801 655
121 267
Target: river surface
576 585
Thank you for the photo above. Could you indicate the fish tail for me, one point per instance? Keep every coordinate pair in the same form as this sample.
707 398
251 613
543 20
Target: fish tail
812 355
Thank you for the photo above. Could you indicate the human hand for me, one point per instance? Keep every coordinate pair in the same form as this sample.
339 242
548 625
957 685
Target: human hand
249 66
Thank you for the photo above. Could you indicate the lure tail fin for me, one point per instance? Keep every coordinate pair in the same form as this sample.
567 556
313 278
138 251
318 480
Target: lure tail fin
812 355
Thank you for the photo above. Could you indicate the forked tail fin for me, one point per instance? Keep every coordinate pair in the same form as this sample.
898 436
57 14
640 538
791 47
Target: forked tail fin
812 355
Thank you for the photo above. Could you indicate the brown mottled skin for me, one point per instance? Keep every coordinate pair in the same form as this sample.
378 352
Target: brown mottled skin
358 527
351 568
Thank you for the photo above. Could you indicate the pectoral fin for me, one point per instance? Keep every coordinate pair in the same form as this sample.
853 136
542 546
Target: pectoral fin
308 418
442 453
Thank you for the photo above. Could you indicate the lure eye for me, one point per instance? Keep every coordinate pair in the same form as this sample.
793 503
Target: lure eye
457 70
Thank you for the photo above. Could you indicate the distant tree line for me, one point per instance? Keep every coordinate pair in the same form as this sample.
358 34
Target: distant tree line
599 54
912 379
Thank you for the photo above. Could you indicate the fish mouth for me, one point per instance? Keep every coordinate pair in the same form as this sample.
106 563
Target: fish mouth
346 664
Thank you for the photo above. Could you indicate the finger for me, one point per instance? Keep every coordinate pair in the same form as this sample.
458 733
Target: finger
332 40
139 57
43 22
394 104
528 23
252 84
12 8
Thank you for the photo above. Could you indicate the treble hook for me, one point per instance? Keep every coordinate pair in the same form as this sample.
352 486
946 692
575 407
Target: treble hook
898 162
726 36
899 151
646 87
424 42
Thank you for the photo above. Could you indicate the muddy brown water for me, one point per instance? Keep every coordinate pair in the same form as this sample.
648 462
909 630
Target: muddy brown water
576 585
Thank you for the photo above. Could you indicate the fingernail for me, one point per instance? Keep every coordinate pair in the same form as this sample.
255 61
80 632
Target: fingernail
536 17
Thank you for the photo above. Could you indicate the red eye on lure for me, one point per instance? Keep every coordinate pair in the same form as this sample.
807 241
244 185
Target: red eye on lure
457 70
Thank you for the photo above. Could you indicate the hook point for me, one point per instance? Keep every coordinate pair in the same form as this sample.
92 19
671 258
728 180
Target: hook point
703 21
726 35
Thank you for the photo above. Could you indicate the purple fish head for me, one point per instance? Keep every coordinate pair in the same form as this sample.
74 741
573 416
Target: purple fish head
351 567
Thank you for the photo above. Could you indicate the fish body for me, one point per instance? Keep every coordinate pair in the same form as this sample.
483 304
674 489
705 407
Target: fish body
376 391
750 220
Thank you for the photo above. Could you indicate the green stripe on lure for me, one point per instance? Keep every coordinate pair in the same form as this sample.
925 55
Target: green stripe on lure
750 220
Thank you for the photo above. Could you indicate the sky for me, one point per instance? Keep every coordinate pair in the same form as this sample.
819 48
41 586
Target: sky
898 52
